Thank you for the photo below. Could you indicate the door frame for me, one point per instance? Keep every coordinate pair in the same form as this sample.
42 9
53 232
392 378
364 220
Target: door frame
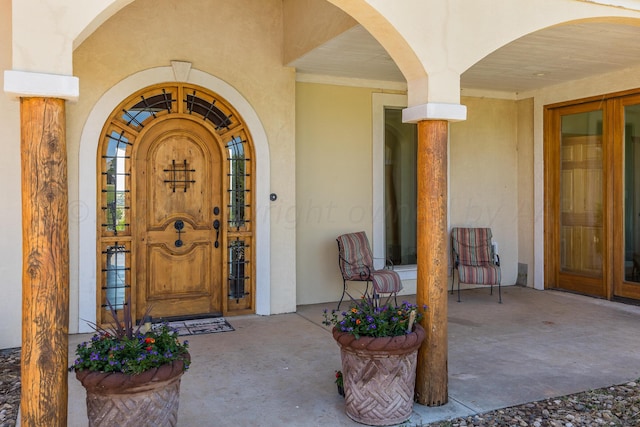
83 294
612 105
153 109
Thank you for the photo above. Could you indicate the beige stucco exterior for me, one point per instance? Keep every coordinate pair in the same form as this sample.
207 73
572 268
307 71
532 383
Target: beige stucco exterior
317 137
483 178
483 188
10 267
330 146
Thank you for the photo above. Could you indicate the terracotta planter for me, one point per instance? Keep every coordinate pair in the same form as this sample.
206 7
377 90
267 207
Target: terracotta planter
379 376
147 399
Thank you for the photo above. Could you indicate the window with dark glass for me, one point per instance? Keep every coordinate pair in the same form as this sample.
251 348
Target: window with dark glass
400 188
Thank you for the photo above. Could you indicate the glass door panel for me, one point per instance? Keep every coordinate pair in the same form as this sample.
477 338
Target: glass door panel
629 139
581 185
632 192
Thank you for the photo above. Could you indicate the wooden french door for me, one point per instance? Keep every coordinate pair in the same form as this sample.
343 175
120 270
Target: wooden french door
178 205
575 229
592 188
626 113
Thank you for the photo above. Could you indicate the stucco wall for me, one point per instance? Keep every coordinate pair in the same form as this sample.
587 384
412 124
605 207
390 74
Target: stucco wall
240 45
334 185
483 177
10 201
334 173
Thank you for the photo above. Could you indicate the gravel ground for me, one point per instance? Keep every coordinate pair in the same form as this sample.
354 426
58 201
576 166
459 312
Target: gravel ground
9 386
617 405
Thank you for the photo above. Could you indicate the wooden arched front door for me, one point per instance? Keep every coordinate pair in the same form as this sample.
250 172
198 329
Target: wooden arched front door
178 191
175 229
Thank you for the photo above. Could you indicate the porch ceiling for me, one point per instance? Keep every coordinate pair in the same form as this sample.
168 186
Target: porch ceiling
547 57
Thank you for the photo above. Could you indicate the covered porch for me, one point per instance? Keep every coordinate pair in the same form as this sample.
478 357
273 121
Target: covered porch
279 370
442 70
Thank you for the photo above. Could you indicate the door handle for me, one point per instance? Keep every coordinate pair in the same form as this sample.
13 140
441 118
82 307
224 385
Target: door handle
178 225
216 226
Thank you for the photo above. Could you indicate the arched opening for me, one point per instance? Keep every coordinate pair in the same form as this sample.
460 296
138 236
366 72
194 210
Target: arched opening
84 209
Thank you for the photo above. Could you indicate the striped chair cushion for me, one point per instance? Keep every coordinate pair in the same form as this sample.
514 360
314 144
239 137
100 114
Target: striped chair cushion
356 260
483 274
473 245
386 281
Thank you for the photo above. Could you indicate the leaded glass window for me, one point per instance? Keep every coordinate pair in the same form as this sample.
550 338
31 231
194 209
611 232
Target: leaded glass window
238 178
238 269
115 275
150 106
116 183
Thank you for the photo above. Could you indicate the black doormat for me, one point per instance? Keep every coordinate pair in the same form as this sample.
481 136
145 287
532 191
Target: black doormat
201 326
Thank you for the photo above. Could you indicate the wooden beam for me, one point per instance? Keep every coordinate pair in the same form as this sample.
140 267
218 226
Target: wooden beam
45 270
432 371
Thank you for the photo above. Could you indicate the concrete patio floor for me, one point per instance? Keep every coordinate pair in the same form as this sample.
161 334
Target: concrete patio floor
279 370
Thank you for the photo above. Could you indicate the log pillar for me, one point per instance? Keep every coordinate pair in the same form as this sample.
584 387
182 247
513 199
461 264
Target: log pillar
45 270
432 370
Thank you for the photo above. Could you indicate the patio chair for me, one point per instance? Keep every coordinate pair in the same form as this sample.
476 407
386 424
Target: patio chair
474 258
356 264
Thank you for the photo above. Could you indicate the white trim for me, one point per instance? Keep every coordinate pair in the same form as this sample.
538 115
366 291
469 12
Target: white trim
25 84
87 181
435 111
379 101
538 195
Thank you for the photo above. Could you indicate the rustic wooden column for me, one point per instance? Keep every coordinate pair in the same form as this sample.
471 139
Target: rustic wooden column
45 270
432 372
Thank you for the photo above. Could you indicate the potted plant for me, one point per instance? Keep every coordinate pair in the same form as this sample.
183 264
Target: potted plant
378 347
132 375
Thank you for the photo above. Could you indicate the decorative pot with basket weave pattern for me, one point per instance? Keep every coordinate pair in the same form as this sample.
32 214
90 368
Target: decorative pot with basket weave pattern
147 399
379 376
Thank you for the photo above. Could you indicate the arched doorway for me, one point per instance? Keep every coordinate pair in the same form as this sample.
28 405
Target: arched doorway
174 209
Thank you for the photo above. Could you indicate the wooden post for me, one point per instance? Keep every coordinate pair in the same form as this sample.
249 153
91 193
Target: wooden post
432 371
45 270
